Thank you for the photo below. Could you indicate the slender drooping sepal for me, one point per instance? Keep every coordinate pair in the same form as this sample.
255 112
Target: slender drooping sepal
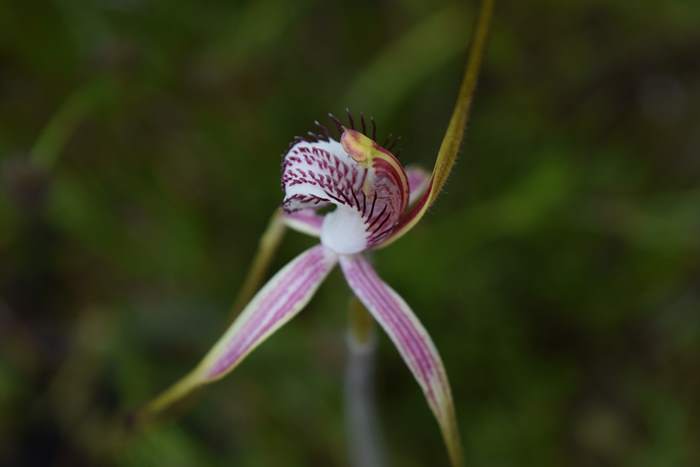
412 341
451 142
267 247
275 304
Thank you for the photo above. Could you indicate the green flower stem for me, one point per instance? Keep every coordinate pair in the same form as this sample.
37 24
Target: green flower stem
452 141
364 440
168 397
361 326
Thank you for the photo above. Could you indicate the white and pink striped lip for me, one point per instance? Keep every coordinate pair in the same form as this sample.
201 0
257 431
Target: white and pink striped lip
364 181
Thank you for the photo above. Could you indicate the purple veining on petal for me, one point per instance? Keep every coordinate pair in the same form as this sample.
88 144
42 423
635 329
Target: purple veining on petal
314 274
275 303
315 174
411 340
250 332
242 338
383 294
304 273
325 174
381 300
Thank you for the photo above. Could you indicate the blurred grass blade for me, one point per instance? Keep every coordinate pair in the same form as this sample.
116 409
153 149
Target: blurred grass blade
408 61
267 248
451 142
413 343
278 301
56 133
252 30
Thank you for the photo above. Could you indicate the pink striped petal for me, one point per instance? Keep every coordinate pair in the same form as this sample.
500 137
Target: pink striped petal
413 342
275 304
305 221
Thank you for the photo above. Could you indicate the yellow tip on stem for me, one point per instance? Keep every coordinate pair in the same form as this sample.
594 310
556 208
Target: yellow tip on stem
453 441
168 397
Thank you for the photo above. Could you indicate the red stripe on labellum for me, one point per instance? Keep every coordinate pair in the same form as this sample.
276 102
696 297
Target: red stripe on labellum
317 173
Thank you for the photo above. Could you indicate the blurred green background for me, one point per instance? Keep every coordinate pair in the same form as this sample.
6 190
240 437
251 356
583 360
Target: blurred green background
140 146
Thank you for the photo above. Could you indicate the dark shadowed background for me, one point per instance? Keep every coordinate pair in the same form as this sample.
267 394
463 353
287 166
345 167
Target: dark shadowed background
558 274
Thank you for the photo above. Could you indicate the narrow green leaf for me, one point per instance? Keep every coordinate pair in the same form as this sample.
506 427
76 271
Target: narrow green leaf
452 141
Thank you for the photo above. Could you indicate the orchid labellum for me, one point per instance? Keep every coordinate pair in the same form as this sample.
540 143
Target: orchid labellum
355 196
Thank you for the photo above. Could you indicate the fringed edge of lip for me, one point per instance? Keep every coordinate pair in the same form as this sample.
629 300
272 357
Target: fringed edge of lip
326 133
366 125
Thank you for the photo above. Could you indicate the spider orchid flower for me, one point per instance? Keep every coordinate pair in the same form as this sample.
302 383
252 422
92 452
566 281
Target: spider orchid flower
369 200
373 198
371 192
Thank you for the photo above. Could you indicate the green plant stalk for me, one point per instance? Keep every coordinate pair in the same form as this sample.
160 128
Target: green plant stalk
267 248
452 141
365 445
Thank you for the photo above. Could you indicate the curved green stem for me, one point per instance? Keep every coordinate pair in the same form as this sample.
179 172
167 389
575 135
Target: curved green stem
363 433
451 142
267 248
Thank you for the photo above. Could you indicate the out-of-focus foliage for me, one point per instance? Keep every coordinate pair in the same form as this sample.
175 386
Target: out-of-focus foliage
558 273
